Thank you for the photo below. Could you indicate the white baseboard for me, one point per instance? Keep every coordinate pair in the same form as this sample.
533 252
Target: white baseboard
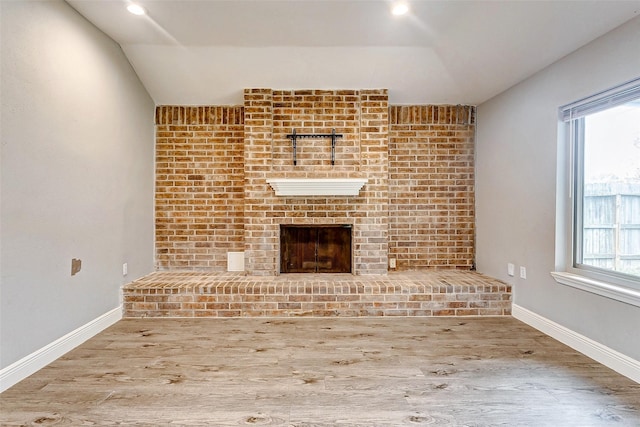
613 359
37 360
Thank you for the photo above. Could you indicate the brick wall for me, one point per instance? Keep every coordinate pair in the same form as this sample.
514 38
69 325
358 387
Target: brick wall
212 196
199 204
431 186
362 117
316 111
261 238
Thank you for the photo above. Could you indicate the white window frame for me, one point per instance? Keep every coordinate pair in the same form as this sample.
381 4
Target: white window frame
602 282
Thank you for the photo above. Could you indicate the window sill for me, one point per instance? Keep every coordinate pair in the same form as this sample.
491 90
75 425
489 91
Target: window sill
608 290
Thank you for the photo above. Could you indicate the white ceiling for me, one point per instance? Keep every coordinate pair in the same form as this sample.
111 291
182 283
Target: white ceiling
461 52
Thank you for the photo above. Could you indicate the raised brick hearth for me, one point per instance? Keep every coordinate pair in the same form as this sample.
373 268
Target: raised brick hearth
424 293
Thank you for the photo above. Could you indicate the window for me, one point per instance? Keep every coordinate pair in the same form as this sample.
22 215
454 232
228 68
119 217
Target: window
603 137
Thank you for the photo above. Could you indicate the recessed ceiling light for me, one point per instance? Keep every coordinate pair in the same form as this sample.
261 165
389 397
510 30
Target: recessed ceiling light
136 9
399 8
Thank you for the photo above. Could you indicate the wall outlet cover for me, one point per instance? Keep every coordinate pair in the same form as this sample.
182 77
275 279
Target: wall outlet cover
523 272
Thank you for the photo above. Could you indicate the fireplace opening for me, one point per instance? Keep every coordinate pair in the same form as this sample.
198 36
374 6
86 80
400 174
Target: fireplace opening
315 248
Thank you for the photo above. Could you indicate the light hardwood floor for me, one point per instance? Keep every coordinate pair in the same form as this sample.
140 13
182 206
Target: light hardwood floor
323 372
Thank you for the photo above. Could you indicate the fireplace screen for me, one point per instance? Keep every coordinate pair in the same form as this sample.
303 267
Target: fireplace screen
315 249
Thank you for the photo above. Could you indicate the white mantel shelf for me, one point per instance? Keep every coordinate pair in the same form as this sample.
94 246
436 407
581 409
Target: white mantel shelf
317 186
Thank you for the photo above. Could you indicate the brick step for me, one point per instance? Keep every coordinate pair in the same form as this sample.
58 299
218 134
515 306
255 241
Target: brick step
424 293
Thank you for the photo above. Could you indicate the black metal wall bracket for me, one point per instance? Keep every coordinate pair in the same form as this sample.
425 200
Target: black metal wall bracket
333 135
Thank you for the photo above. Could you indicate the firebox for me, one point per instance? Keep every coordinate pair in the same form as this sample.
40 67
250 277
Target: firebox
315 248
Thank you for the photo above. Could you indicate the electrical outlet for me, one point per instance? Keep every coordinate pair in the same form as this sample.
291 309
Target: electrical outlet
125 269
511 269
523 272
392 263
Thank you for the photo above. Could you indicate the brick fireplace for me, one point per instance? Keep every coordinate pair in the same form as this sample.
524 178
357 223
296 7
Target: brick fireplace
362 118
219 171
214 164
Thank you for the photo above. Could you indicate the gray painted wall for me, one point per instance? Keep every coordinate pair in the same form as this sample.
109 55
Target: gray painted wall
517 143
77 141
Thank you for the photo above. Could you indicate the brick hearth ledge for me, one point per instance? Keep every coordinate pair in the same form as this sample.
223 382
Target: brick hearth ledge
416 293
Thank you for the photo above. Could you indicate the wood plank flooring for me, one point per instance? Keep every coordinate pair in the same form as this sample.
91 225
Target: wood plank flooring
323 372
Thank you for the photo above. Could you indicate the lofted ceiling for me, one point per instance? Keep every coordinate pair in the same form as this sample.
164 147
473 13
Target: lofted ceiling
205 52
